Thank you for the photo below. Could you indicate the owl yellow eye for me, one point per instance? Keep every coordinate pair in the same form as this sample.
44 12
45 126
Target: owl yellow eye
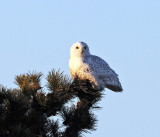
77 47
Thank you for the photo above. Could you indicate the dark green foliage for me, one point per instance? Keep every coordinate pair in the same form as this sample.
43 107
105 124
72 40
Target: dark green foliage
29 83
26 111
84 91
57 81
77 119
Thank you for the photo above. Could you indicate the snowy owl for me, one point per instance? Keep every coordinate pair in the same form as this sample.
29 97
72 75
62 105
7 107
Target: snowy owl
84 65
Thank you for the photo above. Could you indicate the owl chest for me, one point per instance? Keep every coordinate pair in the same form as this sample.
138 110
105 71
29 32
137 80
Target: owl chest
76 66
75 63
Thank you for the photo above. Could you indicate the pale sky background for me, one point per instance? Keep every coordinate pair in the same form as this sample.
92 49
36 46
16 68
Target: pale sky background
37 35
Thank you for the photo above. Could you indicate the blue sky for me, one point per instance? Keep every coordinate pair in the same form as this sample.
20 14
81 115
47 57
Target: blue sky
37 35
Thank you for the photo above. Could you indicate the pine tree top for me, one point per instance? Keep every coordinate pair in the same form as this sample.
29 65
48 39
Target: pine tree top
26 111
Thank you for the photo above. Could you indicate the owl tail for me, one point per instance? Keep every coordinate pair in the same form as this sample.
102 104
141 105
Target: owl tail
113 84
115 88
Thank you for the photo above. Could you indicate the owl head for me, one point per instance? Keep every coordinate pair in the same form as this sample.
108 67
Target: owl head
79 49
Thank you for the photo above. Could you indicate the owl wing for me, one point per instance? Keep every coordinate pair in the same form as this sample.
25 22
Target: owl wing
104 72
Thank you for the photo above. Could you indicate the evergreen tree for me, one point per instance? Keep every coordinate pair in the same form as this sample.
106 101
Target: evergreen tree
29 111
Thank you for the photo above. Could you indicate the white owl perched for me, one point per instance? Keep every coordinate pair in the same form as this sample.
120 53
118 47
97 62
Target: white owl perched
84 65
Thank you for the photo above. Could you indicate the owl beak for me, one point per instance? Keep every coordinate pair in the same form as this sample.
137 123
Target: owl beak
82 51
